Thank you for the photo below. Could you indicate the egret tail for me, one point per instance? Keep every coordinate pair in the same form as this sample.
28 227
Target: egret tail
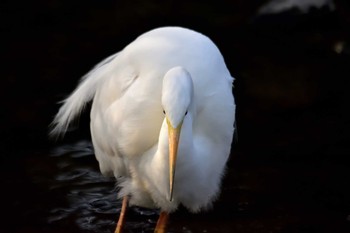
75 103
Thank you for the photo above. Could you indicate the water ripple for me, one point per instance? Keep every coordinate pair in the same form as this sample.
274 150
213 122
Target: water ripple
88 199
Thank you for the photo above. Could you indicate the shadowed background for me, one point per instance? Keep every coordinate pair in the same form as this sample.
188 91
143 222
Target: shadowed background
289 169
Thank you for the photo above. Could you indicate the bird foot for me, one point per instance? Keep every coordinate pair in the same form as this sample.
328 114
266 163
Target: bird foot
121 219
162 223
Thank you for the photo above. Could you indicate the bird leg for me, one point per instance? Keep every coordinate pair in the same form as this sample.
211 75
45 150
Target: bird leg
162 222
121 219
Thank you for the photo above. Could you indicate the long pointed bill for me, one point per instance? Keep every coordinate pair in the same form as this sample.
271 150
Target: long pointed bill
174 135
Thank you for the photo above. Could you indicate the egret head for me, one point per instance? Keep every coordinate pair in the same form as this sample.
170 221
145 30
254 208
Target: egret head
177 94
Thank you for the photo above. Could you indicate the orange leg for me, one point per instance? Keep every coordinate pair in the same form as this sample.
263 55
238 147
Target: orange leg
121 219
162 222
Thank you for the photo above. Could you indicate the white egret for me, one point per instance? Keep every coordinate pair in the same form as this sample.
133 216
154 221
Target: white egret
162 120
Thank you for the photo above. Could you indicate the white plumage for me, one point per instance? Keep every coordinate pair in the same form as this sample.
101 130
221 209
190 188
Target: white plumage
167 77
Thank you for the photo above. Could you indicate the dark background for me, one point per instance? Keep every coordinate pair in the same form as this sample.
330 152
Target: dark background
289 169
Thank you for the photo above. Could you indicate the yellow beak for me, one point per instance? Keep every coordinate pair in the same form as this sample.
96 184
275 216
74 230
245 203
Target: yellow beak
174 135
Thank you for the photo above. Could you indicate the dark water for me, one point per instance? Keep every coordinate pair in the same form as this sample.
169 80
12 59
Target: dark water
63 191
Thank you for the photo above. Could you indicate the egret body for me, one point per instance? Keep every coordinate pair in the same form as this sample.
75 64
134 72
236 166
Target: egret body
162 119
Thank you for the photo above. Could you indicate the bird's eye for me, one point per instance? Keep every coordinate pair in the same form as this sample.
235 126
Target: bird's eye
185 113
164 112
